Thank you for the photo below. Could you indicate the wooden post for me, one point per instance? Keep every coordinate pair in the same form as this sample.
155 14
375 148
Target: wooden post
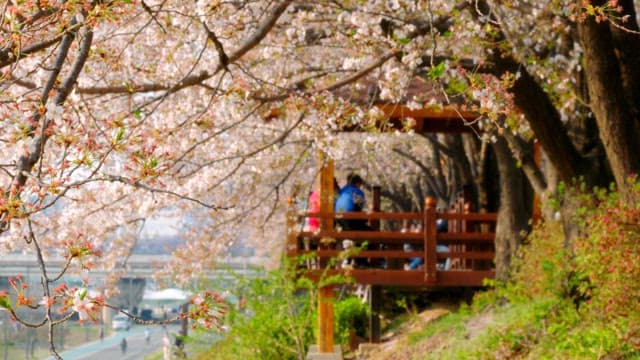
467 227
325 319
327 192
430 234
375 302
325 294
375 207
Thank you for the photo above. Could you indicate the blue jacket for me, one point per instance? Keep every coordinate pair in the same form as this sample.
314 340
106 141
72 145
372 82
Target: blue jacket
350 198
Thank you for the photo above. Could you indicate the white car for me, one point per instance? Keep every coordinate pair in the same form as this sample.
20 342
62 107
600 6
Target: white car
121 322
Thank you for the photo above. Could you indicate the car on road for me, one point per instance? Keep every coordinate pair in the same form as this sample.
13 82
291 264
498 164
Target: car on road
121 322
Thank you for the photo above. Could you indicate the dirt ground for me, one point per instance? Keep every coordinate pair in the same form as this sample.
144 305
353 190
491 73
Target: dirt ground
395 346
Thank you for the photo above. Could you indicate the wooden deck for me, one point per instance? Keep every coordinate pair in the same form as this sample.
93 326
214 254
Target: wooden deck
469 238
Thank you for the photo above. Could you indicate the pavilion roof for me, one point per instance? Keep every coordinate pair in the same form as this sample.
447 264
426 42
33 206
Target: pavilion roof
443 114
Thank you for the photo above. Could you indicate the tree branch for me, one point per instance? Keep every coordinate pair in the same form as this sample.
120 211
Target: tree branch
260 33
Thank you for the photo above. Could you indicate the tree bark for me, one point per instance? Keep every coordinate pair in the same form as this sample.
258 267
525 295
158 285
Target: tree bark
616 125
627 48
512 214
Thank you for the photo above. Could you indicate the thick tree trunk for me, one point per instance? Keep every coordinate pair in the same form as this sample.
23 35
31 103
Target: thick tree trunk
617 126
627 48
513 215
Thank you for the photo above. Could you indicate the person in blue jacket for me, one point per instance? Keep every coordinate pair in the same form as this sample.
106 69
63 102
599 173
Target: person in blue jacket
351 199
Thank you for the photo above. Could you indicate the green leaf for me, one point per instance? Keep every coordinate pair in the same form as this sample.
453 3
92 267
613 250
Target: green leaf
436 71
119 135
457 86
403 41
5 302
83 294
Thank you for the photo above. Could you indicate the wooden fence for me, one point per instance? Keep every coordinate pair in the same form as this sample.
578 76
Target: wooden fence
465 256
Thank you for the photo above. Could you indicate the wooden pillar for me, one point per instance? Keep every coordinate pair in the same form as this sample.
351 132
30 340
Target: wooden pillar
325 319
325 294
375 302
375 291
430 234
467 227
327 191
375 207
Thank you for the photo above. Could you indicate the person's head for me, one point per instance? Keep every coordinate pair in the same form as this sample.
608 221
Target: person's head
442 225
354 179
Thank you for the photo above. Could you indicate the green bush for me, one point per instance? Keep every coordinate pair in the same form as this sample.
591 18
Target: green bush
608 255
275 321
350 314
279 317
586 293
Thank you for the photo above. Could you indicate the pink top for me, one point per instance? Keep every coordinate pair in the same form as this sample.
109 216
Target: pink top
313 224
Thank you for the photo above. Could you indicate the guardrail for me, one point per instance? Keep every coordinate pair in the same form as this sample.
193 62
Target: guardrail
460 255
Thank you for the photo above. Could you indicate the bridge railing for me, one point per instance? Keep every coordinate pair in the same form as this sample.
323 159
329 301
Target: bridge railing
461 254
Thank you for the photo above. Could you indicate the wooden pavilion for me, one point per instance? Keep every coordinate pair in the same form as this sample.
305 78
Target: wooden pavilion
469 236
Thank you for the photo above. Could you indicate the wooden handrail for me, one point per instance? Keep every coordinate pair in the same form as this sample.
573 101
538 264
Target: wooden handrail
485 255
469 245
391 237
480 217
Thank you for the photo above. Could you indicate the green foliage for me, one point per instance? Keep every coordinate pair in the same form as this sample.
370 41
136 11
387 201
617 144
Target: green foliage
540 269
608 256
278 316
563 302
275 321
437 71
350 314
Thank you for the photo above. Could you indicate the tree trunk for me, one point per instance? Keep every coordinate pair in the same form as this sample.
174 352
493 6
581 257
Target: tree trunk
627 48
617 126
513 215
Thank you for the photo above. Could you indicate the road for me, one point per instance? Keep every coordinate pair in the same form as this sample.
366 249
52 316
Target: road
109 348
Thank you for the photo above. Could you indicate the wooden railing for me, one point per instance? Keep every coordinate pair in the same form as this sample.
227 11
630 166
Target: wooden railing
469 239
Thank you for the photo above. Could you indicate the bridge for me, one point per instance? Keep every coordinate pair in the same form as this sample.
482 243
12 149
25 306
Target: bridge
137 266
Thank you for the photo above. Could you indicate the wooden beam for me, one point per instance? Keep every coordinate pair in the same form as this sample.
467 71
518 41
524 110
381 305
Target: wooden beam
475 217
325 294
429 120
400 254
325 319
410 278
429 113
375 303
430 235
375 207
392 235
327 190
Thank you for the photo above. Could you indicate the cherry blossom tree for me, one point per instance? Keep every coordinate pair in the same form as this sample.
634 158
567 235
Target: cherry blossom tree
214 110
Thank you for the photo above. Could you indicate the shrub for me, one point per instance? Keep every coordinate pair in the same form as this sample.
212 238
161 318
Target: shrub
608 256
279 317
351 314
275 321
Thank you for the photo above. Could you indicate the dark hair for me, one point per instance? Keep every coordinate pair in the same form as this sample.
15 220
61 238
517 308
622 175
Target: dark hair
442 225
354 179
